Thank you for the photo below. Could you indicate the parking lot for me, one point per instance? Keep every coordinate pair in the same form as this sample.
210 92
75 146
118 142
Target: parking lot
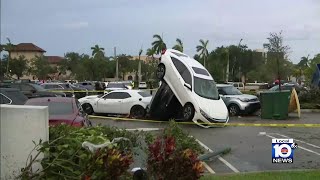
250 146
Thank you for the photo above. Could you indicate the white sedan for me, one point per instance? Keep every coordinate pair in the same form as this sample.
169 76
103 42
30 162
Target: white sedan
133 102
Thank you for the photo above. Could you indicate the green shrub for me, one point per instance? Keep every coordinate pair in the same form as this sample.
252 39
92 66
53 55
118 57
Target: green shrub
311 96
65 158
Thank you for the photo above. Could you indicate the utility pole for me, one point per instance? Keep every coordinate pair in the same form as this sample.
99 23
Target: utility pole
227 71
117 63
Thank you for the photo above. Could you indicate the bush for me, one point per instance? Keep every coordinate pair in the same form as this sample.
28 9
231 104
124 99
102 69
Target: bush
65 158
174 155
311 96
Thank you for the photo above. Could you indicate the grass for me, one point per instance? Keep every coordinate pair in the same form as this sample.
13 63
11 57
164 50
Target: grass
275 175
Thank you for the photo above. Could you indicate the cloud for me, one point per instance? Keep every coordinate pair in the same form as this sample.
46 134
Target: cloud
76 25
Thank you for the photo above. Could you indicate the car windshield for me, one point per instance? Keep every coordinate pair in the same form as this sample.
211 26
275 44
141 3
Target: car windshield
206 88
115 85
38 87
274 88
231 90
56 108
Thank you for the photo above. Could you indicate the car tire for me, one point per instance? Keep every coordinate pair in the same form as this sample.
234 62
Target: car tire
137 111
161 71
188 112
233 110
87 108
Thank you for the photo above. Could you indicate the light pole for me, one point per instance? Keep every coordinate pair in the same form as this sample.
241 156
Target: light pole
239 46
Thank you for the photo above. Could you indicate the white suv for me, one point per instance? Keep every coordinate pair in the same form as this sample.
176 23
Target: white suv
194 88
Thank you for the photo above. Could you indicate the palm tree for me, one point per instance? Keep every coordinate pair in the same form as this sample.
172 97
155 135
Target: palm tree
97 50
179 45
158 45
203 51
151 52
139 67
8 47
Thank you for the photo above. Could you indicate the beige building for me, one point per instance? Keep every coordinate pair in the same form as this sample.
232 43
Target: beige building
31 51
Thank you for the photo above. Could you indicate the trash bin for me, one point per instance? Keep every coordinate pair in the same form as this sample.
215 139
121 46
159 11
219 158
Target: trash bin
275 104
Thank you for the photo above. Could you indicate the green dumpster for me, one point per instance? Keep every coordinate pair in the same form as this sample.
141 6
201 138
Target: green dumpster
275 104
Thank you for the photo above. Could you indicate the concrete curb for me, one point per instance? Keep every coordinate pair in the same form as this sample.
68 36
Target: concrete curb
309 110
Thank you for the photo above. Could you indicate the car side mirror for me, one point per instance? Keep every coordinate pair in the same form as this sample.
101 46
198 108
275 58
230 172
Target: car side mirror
187 86
33 91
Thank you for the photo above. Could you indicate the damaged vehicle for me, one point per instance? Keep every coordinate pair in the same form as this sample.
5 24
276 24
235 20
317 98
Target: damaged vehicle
187 91
117 102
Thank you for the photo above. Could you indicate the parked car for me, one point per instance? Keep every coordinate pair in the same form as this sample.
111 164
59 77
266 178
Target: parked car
128 84
68 89
32 90
12 96
115 86
194 88
142 85
238 85
88 85
62 110
133 102
237 102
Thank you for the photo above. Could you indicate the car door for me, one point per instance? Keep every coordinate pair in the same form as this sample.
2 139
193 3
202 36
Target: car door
185 77
28 90
110 103
126 103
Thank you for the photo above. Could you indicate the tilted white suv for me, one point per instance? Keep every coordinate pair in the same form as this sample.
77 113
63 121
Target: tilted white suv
194 88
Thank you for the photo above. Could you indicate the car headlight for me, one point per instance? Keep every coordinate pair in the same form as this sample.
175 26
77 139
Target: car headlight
244 100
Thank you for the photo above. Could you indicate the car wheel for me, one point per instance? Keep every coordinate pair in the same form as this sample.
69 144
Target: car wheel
137 112
188 112
161 70
87 108
234 110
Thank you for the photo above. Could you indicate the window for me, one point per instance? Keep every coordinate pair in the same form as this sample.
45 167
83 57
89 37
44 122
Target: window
183 70
230 90
16 86
116 85
117 95
221 91
206 88
179 54
144 94
200 71
26 87
4 99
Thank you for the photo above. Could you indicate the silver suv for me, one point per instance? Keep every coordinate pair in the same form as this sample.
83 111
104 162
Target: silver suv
237 102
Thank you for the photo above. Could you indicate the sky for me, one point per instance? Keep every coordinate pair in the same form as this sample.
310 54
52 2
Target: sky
61 26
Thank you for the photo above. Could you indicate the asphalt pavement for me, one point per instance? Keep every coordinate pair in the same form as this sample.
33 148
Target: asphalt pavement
250 146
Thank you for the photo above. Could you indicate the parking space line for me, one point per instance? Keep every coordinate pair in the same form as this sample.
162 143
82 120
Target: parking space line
300 147
219 157
144 129
229 165
315 146
208 168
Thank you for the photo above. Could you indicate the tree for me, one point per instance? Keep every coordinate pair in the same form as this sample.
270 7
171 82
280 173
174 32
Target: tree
96 50
179 45
139 66
151 52
203 51
8 47
3 66
277 53
158 44
41 68
18 66
126 65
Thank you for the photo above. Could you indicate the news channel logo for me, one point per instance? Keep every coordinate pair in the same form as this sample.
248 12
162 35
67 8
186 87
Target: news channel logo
283 150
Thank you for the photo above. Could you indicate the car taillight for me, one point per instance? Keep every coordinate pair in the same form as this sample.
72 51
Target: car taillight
78 124
163 51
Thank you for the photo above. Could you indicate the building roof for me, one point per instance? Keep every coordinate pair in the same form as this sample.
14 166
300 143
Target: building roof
54 59
27 47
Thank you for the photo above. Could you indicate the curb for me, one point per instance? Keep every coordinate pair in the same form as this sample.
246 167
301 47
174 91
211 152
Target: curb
309 110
